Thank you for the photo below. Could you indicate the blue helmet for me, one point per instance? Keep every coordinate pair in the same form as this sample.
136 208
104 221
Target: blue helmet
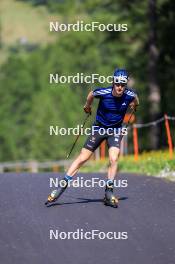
120 76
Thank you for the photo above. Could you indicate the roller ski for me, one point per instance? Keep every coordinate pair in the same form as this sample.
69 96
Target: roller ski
53 197
55 194
110 199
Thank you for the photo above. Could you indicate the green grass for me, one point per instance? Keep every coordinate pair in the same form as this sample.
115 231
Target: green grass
155 163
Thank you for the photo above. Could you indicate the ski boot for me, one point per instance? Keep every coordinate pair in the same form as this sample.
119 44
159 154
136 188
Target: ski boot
110 199
55 194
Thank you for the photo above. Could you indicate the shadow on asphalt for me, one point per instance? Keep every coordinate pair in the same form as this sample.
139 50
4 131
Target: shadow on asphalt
84 201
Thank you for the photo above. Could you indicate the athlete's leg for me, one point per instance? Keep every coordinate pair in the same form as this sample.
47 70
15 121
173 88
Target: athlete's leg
84 155
114 150
109 198
113 162
78 162
90 145
92 142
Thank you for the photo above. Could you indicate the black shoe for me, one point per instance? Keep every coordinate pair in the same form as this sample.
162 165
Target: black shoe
110 199
55 194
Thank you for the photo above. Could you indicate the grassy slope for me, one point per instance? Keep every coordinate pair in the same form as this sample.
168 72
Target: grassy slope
19 19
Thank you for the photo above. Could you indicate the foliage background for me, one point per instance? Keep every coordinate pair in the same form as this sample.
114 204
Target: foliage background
29 53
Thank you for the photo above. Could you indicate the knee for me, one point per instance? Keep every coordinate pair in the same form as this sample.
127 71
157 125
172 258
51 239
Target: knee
82 159
113 159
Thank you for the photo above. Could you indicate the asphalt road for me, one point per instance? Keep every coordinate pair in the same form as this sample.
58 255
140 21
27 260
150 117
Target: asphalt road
146 213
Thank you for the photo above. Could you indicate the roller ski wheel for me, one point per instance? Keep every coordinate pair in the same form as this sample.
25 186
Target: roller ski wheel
52 197
112 201
55 194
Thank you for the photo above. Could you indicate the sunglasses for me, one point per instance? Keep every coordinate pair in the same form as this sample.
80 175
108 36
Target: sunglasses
120 84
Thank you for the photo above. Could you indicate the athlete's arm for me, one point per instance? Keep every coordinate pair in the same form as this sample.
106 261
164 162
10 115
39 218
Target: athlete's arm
133 105
89 100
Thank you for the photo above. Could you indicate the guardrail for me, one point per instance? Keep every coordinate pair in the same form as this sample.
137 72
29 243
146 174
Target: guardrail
34 166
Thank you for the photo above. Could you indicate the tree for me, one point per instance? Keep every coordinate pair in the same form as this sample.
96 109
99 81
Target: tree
154 89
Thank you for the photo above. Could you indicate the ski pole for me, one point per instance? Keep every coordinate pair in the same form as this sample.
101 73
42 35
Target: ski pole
85 120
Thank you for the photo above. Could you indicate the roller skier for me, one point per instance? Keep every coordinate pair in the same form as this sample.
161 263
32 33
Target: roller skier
113 104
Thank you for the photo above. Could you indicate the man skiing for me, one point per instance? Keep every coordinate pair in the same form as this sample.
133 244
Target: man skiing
113 104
